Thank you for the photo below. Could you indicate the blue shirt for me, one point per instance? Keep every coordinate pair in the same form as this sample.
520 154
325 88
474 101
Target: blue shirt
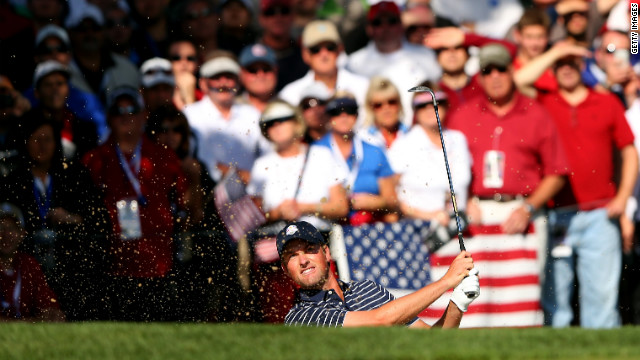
373 167
326 308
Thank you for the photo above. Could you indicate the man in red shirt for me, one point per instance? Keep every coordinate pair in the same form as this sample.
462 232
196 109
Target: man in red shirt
592 127
143 184
518 165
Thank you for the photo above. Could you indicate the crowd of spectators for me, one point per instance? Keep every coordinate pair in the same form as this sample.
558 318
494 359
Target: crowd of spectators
118 119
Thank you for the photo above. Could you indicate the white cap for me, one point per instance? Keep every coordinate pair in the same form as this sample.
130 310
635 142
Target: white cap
277 110
81 12
317 90
219 65
52 30
156 71
48 67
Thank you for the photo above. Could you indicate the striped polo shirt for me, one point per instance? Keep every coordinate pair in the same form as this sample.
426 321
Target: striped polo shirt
326 308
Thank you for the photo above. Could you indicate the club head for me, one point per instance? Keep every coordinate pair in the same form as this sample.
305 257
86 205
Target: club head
420 89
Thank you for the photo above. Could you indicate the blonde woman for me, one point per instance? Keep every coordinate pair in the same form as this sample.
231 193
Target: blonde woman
384 113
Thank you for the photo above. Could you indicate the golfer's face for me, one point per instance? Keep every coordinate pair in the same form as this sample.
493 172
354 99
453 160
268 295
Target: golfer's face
306 264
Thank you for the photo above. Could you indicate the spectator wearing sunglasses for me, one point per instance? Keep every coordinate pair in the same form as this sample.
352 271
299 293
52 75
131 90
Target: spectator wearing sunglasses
276 21
321 48
384 114
370 181
258 75
158 83
143 188
417 20
389 54
94 68
312 107
184 64
53 44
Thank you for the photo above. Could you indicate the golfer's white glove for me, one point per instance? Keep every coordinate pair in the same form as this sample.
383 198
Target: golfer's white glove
467 291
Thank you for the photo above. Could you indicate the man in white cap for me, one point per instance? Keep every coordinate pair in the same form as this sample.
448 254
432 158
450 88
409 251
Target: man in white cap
157 83
228 133
321 45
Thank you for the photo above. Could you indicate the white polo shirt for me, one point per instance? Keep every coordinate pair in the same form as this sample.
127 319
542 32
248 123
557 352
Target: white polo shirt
407 67
423 181
236 141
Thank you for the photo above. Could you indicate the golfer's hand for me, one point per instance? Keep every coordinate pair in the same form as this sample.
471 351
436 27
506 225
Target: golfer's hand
517 222
459 269
467 291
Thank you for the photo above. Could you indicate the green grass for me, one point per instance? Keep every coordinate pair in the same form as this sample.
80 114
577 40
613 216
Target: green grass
255 341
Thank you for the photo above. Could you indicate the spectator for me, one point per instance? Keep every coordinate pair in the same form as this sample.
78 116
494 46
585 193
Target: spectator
236 25
580 21
184 63
228 134
52 43
47 12
51 89
119 32
321 47
151 37
276 21
296 181
157 83
492 18
384 114
144 190
258 75
25 293
369 182
312 107
417 159
389 54
588 208
95 69
417 20
612 69
64 216
199 21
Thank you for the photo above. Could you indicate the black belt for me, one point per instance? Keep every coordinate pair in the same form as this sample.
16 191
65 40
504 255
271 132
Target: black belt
501 197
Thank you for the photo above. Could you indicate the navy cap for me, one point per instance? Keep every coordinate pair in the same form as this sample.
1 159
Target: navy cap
257 53
301 230
341 104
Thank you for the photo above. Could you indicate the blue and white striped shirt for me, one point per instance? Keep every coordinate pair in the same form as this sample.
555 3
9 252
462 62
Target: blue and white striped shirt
326 308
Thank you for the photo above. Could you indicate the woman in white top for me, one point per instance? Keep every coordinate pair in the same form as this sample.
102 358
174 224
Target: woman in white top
418 161
384 113
296 182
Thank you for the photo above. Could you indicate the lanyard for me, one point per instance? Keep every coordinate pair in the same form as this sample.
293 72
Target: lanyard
17 290
355 164
127 166
43 191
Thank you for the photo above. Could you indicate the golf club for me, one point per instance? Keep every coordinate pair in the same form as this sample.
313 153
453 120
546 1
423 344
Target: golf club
419 89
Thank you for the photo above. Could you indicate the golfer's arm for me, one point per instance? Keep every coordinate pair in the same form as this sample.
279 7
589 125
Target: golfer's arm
399 311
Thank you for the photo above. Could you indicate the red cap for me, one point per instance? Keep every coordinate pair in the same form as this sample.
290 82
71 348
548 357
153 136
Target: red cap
383 7
267 4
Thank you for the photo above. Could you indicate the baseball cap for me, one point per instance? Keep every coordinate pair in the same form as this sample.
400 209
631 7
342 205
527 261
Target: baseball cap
86 11
52 30
257 53
49 67
276 110
219 65
8 210
564 7
494 54
426 98
340 104
301 230
317 90
156 71
383 7
124 91
319 31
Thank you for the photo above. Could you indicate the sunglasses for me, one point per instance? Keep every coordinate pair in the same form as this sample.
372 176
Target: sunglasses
112 23
349 110
331 47
48 50
391 21
380 104
254 69
279 10
198 14
413 28
176 57
568 16
311 103
489 69
124 110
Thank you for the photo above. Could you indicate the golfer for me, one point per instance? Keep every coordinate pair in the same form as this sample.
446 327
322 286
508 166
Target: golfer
326 301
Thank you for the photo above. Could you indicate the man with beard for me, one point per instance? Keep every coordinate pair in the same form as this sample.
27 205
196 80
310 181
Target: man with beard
227 132
325 300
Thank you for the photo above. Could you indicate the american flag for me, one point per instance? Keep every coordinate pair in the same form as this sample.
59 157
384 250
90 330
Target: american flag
236 209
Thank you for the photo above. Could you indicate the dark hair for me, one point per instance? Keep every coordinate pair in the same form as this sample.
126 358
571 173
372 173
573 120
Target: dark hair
534 16
30 123
173 115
